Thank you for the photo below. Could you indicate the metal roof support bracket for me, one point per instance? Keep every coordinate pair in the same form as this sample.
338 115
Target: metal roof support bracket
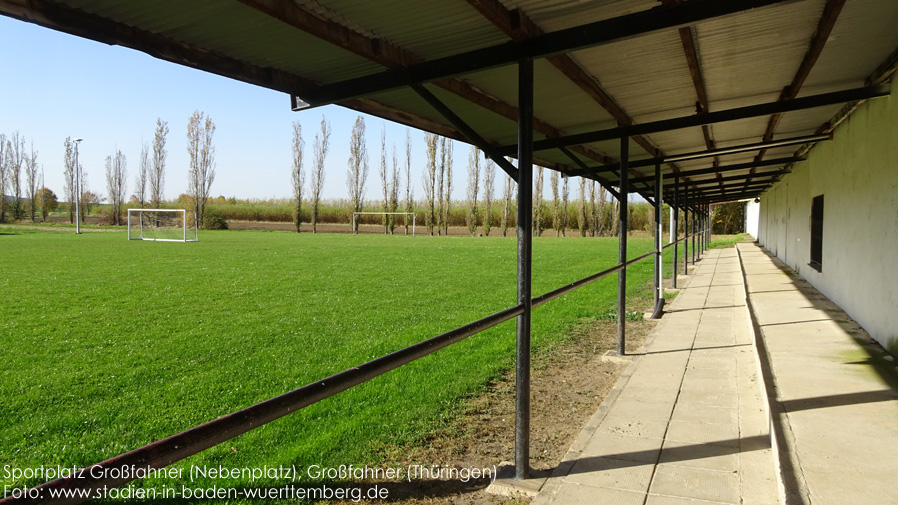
466 129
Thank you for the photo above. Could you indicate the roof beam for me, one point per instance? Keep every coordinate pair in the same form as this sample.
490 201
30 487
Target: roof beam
735 186
726 168
764 109
883 74
768 176
394 56
519 27
713 153
730 197
469 132
549 44
690 50
831 12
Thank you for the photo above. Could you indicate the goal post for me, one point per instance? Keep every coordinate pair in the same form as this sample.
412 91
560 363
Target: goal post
414 217
162 225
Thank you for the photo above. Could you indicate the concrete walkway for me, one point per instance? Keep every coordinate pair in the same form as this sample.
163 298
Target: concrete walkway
687 422
833 393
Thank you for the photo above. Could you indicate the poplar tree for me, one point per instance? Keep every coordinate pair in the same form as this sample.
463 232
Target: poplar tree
140 181
489 177
448 194
429 180
298 173
385 180
473 189
116 184
201 153
538 202
5 146
68 175
507 201
394 190
564 205
316 183
556 203
31 181
16 152
409 197
357 171
156 174
441 197
581 209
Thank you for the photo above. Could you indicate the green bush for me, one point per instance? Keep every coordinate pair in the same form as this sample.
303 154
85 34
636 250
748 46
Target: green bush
212 220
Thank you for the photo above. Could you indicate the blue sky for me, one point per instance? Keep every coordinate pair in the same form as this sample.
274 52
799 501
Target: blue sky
56 85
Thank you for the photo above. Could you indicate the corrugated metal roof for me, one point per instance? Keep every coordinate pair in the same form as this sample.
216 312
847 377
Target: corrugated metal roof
863 37
756 53
648 76
745 59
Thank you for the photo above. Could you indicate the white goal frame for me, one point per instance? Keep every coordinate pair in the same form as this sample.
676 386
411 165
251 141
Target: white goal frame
183 212
414 217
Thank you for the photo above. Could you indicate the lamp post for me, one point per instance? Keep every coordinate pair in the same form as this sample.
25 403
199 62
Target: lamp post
77 189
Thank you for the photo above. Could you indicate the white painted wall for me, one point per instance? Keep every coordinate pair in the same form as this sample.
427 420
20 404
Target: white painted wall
752 215
857 172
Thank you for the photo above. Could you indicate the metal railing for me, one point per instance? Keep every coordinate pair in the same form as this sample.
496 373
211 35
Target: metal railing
170 450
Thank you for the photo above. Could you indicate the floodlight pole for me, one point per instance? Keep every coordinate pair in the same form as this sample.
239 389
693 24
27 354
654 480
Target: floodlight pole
77 190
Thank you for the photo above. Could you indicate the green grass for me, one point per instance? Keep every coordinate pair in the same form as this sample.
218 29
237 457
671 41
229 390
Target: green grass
109 344
726 241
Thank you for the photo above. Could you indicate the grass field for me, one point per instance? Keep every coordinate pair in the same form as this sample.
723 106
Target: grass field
109 344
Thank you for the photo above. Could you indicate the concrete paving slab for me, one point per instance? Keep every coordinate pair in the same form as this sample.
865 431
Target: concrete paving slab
673 500
574 493
635 409
697 455
704 433
612 473
833 397
705 414
616 424
696 483
686 392
640 449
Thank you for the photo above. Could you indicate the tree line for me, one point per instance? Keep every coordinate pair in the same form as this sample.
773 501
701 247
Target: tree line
594 214
149 183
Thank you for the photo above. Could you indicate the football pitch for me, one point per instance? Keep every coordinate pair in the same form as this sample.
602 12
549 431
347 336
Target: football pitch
109 345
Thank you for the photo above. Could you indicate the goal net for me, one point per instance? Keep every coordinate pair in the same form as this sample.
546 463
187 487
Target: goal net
164 225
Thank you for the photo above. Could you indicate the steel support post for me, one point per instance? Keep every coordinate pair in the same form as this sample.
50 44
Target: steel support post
700 231
686 217
694 224
659 221
697 249
525 255
622 252
708 240
675 220
703 237
706 217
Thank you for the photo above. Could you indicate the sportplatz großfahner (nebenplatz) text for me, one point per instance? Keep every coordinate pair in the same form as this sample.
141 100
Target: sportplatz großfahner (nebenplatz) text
284 482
